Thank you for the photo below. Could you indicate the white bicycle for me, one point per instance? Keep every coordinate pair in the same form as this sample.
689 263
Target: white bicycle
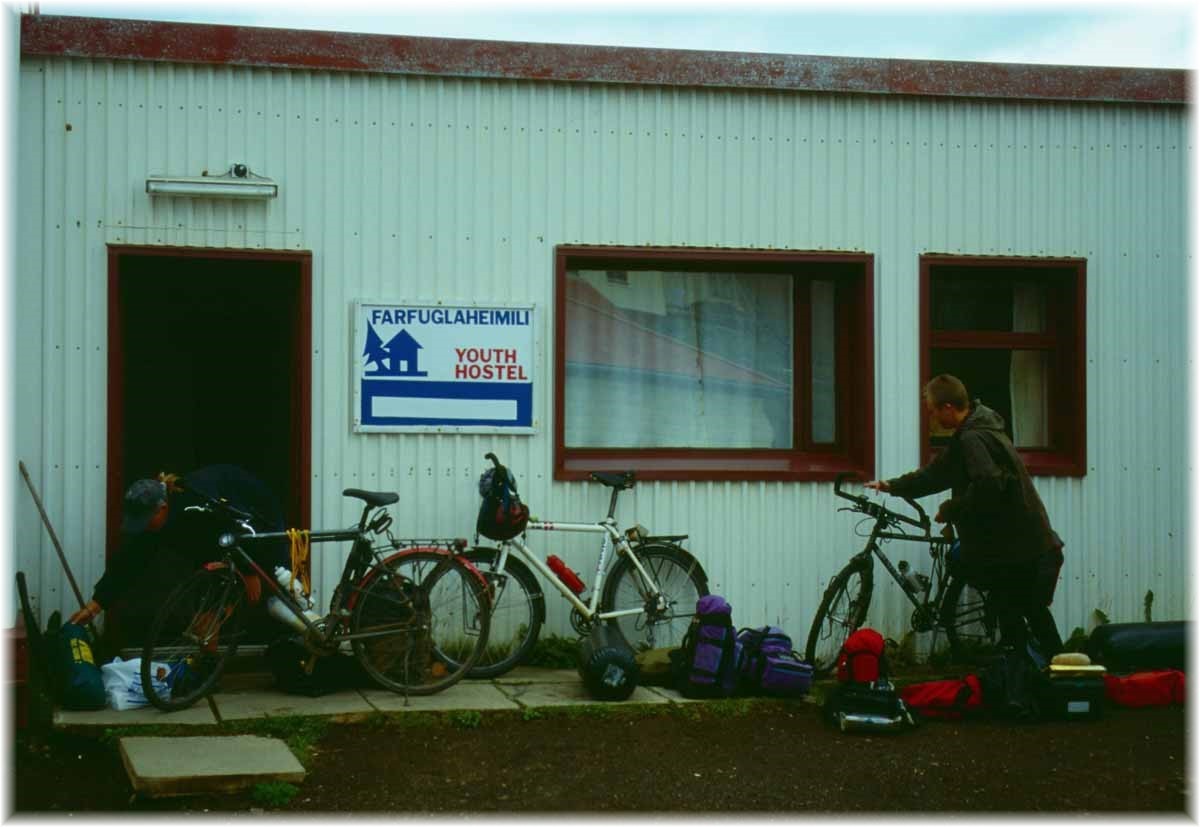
648 595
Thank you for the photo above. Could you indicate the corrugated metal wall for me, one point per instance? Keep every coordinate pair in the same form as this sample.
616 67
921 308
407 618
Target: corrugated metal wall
435 188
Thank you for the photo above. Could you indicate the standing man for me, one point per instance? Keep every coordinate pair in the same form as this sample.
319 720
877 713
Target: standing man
1008 546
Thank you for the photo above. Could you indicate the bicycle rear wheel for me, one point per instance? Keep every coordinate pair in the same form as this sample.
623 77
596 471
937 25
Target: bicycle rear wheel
518 611
843 609
192 637
681 581
969 621
419 621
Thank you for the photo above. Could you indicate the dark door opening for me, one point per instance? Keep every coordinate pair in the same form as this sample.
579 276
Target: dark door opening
209 364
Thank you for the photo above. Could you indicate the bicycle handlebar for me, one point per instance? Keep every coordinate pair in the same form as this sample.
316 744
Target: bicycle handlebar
878 510
212 504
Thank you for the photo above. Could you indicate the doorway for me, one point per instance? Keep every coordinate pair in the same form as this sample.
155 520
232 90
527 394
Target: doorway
209 363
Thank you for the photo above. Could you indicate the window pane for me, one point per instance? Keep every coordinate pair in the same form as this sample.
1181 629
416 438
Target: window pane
824 401
1013 383
678 360
993 304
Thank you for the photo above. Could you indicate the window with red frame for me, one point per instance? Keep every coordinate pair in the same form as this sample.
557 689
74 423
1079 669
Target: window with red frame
706 364
1013 331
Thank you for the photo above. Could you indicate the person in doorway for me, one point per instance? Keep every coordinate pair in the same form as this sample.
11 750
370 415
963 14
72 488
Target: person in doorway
154 522
1008 545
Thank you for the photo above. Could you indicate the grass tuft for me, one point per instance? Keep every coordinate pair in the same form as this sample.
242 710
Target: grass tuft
274 793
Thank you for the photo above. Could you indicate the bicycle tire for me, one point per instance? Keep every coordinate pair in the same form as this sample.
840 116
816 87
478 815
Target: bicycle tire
518 612
192 637
969 621
425 635
680 578
844 605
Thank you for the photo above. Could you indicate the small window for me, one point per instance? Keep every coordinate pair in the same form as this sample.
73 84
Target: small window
688 364
1013 331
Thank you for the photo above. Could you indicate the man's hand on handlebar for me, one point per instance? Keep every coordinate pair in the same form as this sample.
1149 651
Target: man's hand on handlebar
878 485
942 515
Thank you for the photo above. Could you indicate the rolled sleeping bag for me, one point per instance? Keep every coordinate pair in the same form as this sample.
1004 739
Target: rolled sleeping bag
1137 647
607 665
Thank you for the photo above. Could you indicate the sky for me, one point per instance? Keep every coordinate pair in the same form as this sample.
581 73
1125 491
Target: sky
1150 34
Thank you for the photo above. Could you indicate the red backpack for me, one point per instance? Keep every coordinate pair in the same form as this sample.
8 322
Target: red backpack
861 658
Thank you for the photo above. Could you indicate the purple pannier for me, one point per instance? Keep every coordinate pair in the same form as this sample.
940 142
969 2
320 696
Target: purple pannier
768 666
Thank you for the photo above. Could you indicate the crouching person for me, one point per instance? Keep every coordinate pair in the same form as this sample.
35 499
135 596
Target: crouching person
161 542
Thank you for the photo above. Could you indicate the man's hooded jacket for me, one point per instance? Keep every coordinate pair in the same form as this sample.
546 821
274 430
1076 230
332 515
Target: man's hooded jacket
994 506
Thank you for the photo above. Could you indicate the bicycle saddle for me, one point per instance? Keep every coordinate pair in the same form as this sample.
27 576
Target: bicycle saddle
372 498
619 481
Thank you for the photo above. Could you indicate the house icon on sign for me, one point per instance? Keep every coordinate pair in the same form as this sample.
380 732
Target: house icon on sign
402 356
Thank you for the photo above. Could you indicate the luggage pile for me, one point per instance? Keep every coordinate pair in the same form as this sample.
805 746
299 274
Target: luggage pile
1073 686
716 660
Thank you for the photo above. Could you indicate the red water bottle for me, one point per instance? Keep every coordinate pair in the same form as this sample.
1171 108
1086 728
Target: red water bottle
568 577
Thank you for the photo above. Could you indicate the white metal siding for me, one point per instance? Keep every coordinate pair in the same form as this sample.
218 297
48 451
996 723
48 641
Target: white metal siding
413 188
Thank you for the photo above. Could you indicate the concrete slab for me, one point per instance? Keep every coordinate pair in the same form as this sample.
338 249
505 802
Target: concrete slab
198 714
572 694
538 674
235 706
672 695
160 767
463 695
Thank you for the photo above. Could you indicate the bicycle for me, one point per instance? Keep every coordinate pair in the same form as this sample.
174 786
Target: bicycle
648 597
414 637
940 600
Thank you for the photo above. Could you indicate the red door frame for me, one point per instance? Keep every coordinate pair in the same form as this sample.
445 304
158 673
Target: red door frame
300 499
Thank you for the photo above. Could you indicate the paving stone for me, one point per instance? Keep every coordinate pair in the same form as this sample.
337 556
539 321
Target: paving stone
197 714
160 767
463 695
571 694
234 706
537 674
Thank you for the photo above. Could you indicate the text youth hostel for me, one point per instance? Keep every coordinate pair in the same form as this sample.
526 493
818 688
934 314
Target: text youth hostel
349 260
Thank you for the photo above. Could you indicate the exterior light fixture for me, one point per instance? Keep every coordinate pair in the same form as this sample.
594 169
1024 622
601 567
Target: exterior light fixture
238 182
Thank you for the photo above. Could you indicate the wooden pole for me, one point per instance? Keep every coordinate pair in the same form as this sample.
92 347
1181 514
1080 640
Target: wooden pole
53 537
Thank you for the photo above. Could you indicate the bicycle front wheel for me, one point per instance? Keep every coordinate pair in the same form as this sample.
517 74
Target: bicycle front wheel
843 609
969 621
192 637
518 611
419 621
681 583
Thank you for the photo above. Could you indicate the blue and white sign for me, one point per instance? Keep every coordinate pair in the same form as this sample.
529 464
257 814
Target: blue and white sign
435 367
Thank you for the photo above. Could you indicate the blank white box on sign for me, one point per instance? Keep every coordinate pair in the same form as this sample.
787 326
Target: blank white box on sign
426 408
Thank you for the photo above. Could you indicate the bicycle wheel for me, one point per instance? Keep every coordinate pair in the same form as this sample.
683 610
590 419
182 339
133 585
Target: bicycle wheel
191 638
518 612
419 621
682 583
843 609
969 621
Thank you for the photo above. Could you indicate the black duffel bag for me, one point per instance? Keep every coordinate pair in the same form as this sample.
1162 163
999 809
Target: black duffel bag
1140 647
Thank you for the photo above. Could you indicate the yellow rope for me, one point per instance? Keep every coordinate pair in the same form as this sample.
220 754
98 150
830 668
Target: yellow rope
300 564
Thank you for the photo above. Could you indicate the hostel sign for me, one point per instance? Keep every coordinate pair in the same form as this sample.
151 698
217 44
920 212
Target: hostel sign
434 367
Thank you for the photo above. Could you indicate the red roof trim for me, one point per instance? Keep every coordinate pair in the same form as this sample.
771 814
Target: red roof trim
87 37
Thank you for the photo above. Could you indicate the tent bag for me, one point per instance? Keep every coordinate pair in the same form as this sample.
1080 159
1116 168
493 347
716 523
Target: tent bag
1161 688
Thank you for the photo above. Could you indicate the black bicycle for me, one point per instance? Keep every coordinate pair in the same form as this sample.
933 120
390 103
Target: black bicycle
940 600
415 612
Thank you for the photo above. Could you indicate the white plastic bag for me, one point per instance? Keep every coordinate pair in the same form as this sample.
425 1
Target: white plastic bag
123 683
